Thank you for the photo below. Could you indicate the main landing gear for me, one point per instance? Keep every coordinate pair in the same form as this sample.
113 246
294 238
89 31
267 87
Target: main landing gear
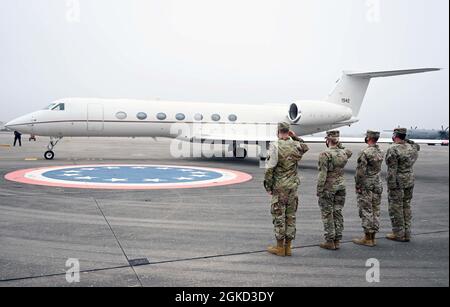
242 152
238 152
49 154
263 151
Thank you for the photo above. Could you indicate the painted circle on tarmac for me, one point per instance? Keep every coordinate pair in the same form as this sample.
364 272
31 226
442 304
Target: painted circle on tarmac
128 177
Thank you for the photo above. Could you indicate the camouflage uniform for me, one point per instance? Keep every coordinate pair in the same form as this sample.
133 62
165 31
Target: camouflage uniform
369 186
400 160
331 188
281 179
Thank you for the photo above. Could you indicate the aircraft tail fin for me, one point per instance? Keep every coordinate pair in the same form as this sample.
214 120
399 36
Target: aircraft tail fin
351 88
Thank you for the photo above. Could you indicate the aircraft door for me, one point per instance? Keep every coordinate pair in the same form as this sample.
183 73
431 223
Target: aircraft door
95 117
31 125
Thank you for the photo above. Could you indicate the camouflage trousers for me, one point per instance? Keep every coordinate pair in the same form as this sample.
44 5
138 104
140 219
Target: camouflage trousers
400 210
331 204
369 203
284 208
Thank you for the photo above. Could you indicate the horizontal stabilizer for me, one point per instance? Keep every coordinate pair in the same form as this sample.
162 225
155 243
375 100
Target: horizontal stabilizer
391 73
351 88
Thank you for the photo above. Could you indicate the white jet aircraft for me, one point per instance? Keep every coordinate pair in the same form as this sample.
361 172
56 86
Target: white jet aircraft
84 117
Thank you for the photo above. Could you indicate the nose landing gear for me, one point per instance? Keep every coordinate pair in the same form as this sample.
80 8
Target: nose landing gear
49 154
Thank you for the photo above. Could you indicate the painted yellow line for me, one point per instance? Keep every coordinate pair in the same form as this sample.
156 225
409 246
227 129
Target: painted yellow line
5 145
31 159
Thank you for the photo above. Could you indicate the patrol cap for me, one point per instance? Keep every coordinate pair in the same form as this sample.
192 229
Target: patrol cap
403 131
373 134
333 134
284 126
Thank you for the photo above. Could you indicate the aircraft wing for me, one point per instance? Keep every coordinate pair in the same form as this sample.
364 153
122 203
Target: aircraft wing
239 133
252 138
312 140
248 133
360 140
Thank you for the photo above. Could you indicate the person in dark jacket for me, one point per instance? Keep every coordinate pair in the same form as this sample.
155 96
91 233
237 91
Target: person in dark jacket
17 137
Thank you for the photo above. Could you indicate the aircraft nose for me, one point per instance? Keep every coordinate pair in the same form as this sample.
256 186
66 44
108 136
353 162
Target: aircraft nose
11 125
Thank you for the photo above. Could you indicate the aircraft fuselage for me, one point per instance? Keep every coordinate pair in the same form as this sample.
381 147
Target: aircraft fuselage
135 118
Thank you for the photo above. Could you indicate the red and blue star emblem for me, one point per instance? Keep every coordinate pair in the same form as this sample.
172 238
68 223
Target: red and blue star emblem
128 177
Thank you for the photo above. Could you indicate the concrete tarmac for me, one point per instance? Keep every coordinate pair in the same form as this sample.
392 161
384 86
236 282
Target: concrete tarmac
201 237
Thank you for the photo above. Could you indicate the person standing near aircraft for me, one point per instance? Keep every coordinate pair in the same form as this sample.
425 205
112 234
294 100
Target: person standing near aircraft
369 188
17 138
281 182
400 160
331 189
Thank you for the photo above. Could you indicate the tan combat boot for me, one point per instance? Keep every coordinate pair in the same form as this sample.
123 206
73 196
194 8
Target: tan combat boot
337 244
288 248
328 245
366 240
395 237
278 250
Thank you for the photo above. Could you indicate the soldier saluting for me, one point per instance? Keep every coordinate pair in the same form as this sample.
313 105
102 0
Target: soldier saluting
369 188
400 160
331 189
282 182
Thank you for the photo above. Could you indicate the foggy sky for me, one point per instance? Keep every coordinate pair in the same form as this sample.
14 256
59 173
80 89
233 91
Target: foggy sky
234 51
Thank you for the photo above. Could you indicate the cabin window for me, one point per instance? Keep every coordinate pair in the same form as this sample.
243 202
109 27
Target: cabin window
121 115
215 117
180 116
232 118
161 116
59 107
198 117
141 116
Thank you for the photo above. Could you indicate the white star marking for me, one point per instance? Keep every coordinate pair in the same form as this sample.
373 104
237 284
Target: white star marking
153 180
199 176
116 180
71 171
139 167
112 167
163 168
69 175
199 173
186 170
88 169
183 178
85 178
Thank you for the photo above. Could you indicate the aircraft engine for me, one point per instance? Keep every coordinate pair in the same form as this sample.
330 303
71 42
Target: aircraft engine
295 114
308 113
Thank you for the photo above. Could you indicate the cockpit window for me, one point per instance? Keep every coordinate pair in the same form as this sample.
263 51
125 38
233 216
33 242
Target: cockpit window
59 107
50 106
